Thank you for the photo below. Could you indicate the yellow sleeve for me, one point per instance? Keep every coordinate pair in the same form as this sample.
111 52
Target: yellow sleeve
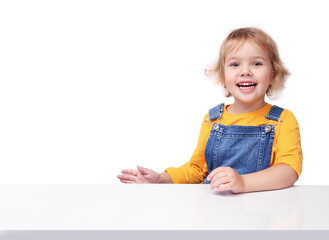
195 170
288 148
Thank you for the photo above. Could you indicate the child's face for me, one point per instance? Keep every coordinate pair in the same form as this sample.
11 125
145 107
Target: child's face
248 73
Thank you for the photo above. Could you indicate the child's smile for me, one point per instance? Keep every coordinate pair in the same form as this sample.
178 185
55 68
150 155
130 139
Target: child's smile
248 75
247 86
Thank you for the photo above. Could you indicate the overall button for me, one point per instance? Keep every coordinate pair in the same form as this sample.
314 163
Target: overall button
268 128
216 126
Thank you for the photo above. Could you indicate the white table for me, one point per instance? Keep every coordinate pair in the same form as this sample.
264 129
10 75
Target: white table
158 207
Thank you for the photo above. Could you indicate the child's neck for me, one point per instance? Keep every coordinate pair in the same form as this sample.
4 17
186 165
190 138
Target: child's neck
240 108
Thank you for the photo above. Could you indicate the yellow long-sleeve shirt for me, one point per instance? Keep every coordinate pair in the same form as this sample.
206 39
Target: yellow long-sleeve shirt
286 145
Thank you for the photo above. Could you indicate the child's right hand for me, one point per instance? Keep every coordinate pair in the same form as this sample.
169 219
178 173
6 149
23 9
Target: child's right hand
142 175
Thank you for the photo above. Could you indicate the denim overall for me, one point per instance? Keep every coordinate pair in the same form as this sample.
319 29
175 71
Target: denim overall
246 149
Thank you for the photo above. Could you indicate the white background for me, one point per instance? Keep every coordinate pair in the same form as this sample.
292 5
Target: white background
88 88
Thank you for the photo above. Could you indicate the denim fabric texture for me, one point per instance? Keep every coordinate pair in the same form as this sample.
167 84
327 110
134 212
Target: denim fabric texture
246 149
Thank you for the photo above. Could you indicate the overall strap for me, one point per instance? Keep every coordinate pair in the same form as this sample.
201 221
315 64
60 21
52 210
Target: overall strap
216 112
275 113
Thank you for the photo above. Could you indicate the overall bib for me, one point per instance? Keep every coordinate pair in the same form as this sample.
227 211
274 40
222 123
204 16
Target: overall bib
246 149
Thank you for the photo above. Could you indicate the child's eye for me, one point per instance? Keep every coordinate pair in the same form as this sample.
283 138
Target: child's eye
257 64
234 64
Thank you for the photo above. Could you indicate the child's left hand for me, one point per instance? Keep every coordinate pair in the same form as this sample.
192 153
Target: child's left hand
226 178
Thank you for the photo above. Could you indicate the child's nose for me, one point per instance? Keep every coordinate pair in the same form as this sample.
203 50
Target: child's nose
246 72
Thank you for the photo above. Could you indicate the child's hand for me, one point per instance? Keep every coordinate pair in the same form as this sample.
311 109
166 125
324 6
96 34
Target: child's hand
142 175
226 178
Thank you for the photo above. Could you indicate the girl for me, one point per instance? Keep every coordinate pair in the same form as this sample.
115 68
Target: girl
249 145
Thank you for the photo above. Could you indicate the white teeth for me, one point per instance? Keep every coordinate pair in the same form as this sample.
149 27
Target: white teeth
246 85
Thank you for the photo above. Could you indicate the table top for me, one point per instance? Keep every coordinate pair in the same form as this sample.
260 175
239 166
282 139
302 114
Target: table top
160 207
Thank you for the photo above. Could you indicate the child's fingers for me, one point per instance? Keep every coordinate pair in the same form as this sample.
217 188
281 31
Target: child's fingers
214 172
223 187
126 177
219 181
219 175
126 181
143 170
128 171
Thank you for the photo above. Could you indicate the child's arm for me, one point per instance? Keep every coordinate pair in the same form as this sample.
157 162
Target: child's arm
275 177
143 175
165 178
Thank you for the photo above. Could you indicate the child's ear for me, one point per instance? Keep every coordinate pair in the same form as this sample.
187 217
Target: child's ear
272 78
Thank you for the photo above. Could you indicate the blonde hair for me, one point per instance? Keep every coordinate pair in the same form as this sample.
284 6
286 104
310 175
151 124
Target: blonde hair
234 41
